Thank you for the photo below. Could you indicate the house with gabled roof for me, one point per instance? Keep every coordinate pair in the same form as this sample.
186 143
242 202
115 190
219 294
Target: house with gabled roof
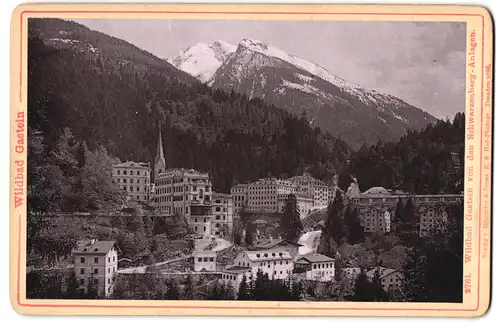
390 278
97 260
277 262
316 266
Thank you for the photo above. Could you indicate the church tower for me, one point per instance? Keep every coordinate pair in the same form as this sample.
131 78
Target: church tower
160 164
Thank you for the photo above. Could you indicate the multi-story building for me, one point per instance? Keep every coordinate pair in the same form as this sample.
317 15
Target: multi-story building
240 196
313 187
134 178
96 260
277 263
204 260
263 194
317 267
222 214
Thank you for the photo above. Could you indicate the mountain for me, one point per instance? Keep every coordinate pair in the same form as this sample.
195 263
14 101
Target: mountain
202 60
357 115
113 95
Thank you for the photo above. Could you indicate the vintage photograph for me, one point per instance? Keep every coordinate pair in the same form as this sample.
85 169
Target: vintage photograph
261 160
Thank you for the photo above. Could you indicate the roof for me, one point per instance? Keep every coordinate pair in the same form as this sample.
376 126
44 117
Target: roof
315 257
237 269
260 255
383 272
97 247
376 190
132 164
273 243
204 253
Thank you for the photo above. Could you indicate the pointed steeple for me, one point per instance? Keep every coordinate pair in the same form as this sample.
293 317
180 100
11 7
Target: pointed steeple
159 157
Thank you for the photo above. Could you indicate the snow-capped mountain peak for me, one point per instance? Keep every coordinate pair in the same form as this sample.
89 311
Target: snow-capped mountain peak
203 59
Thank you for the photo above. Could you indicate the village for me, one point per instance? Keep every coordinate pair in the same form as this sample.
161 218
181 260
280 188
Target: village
211 217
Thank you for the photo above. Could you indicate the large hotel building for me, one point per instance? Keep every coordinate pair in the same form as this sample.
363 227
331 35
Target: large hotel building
189 193
134 178
268 195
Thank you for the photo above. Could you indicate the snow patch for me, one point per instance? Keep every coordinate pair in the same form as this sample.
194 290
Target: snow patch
202 60
65 40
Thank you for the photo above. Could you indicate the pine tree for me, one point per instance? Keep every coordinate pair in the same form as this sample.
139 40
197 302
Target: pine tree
363 288
243 290
172 290
353 223
409 219
189 290
72 286
290 219
92 288
379 294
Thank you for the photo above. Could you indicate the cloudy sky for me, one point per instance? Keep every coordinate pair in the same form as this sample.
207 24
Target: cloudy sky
421 62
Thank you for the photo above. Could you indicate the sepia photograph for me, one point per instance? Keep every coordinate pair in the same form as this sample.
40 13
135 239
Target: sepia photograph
253 159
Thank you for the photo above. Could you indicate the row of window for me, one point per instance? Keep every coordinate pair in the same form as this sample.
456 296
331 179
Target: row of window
96 281
96 270
319 266
230 277
96 259
131 189
180 180
131 172
131 181
206 259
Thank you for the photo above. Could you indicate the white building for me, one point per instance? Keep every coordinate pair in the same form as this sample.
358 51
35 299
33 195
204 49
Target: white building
390 278
96 260
313 187
234 275
204 260
277 263
317 267
134 178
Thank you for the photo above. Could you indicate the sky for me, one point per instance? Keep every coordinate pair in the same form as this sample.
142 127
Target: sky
422 63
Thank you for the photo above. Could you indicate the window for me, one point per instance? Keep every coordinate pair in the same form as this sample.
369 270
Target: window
96 281
113 258
109 280
109 270
205 259
124 172
82 271
96 270
211 259
109 259
118 172
82 282
96 260
275 272
199 259
281 262
82 260
258 255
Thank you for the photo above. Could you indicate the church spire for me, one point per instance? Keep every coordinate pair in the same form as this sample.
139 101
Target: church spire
159 158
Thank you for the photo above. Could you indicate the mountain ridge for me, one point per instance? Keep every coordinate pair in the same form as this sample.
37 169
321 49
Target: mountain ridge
329 101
